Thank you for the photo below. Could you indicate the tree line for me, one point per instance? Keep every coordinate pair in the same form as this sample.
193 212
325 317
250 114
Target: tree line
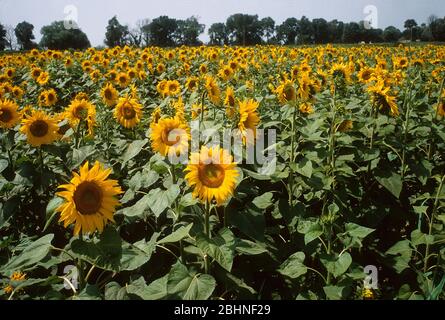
238 29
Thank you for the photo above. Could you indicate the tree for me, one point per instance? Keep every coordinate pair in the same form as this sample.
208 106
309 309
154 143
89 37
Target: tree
306 32
10 38
288 31
143 25
351 33
24 33
438 29
218 34
2 37
162 31
321 30
244 29
335 31
409 25
116 34
188 31
268 28
56 36
391 34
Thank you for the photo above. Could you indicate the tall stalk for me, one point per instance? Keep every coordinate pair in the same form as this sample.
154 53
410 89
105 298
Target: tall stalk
292 156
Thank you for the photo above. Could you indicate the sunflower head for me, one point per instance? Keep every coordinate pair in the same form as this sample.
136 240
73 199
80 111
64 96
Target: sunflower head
213 90
248 120
39 128
128 112
9 114
109 94
286 92
89 199
212 174
382 99
169 136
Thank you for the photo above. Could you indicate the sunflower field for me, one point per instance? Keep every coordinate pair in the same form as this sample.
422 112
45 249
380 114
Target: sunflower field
112 187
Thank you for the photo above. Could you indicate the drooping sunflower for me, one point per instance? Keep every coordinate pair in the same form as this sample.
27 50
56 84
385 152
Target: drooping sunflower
306 107
212 174
382 99
39 128
286 92
345 125
248 120
213 90
169 136
90 199
109 95
128 112
9 114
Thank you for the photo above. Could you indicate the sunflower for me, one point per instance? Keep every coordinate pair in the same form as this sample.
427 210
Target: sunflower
365 75
90 200
381 98
192 83
35 73
81 110
341 71
160 87
17 276
226 73
155 116
197 108
230 102
17 92
345 125
43 78
306 108
9 114
50 97
128 112
286 92
123 79
39 128
213 90
172 88
212 174
109 95
162 140
248 120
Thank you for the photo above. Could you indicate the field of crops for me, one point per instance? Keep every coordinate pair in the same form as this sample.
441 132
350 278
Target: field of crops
260 172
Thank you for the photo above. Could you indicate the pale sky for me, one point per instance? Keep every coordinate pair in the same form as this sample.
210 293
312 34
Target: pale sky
93 15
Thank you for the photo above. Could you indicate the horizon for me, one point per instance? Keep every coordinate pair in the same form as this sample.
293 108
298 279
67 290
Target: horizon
93 22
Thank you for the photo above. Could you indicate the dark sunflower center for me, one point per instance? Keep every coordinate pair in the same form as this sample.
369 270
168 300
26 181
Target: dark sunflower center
5 115
81 112
122 79
88 198
167 139
366 75
108 94
211 175
128 112
51 97
39 128
289 93
231 101
172 88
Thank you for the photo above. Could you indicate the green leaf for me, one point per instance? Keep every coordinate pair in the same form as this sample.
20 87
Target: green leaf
3 164
159 200
403 251
337 265
418 238
154 291
113 291
294 266
110 252
188 285
304 167
221 248
80 155
313 231
250 222
133 150
181 233
264 201
248 247
51 212
91 292
32 254
357 231
333 292
391 181
138 209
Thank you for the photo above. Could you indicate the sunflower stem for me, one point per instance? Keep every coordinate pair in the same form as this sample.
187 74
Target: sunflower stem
439 97
207 233
292 156
77 135
431 222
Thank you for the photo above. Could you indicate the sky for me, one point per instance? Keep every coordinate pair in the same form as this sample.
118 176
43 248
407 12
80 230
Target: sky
93 15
